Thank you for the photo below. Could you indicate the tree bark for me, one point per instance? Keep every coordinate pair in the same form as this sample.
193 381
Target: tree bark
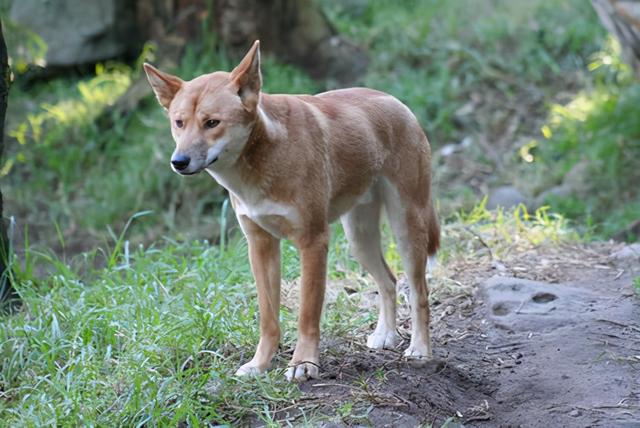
8 295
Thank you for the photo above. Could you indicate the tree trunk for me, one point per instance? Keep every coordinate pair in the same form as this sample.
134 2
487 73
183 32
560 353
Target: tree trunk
622 19
8 295
297 31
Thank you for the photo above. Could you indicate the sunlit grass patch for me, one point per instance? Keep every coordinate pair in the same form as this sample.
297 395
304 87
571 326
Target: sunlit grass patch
53 121
596 131
500 232
504 242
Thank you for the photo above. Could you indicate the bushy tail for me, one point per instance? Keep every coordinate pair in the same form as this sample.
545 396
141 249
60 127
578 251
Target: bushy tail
434 232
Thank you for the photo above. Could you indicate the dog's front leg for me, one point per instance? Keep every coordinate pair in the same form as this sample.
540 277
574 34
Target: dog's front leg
313 255
264 255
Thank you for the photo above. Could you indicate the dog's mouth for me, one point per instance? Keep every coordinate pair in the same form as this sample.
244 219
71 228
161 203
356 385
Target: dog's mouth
195 172
210 163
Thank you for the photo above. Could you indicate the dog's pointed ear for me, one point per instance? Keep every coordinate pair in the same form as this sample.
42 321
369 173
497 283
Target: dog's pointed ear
164 85
247 77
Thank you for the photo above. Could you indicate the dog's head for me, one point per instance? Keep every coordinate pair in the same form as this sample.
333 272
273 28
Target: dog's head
212 115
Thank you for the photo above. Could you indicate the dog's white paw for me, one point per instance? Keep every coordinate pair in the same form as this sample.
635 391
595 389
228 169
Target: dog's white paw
250 369
420 351
302 372
383 339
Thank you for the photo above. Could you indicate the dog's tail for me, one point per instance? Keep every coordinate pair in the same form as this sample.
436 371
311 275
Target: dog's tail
434 232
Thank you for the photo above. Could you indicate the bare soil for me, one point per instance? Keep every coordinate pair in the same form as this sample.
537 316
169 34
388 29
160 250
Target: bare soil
550 339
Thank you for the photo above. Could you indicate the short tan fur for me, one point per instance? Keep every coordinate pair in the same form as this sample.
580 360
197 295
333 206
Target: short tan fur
292 165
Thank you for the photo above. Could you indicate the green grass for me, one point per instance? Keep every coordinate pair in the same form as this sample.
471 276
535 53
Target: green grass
146 327
154 337
434 55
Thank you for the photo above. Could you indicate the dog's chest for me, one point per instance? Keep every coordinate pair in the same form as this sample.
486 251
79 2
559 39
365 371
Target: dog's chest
281 220
278 219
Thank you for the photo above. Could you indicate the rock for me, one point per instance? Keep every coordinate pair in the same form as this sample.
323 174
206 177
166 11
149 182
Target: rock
506 197
77 31
576 182
498 266
524 305
628 252
449 149
574 413
456 148
632 231
560 191
578 178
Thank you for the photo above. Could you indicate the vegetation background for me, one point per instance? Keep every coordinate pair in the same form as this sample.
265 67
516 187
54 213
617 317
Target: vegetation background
137 297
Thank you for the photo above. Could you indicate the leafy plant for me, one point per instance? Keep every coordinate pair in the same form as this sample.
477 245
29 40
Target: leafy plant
597 128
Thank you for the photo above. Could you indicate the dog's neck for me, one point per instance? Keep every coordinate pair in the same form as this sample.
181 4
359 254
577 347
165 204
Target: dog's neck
262 134
248 170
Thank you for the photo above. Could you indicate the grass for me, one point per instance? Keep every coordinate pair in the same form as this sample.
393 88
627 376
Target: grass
154 336
144 325
434 55
595 131
83 177
144 342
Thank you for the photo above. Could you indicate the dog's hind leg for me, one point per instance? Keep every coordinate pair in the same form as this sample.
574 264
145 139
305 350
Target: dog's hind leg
362 227
414 227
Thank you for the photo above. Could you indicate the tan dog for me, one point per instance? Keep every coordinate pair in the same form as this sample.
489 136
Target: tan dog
292 165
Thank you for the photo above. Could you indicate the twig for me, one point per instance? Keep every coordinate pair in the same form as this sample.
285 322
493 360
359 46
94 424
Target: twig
333 384
632 327
506 345
479 238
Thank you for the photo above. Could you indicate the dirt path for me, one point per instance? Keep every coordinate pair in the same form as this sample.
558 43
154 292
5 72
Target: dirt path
518 352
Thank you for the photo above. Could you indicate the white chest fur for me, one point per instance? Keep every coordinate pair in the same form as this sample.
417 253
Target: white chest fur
281 220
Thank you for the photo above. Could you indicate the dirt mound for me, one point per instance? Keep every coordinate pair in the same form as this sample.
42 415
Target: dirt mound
517 353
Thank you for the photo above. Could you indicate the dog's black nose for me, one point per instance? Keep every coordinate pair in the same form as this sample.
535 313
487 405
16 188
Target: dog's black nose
180 162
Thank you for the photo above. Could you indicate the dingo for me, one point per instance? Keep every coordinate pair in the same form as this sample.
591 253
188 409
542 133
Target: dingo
292 165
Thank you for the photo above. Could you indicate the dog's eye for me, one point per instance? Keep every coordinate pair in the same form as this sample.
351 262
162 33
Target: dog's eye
211 123
179 123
